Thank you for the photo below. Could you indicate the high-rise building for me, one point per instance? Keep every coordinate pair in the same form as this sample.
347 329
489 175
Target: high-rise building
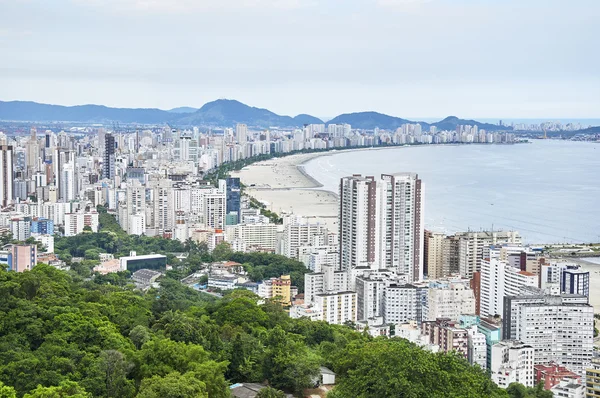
402 303
559 328
498 280
6 174
471 247
233 196
241 133
575 281
381 223
433 255
108 164
358 222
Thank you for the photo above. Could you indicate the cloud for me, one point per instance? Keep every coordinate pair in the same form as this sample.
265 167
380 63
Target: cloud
401 4
183 6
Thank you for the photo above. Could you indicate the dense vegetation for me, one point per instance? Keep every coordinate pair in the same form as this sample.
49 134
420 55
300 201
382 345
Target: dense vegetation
112 239
62 336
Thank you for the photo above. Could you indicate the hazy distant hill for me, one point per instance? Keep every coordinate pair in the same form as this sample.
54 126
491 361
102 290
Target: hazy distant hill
370 120
451 122
219 113
226 112
183 109
35 112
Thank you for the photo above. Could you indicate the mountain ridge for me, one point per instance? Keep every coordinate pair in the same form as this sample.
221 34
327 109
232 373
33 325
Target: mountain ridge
218 113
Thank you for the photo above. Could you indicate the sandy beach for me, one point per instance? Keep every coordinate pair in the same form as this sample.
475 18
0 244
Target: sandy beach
285 189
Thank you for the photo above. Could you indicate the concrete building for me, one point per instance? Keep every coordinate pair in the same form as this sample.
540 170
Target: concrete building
498 280
512 362
299 232
569 388
337 307
328 280
6 174
254 236
450 301
471 245
401 304
133 262
447 335
381 224
433 259
592 379
76 222
559 328
551 374
22 257
477 349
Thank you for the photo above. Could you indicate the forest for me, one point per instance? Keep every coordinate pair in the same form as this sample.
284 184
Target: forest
62 335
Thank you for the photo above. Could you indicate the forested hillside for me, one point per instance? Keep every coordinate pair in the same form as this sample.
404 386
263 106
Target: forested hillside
63 336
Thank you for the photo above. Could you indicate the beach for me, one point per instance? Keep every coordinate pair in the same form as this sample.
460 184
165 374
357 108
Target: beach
284 188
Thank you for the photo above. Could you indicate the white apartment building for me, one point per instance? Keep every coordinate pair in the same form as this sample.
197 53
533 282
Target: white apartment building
471 246
76 222
512 362
498 280
328 280
477 349
369 288
315 257
299 232
559 328
20 228
401 304
336 307
450 301
259 236
381 223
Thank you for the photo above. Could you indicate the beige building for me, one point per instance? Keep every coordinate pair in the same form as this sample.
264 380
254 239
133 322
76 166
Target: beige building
434 255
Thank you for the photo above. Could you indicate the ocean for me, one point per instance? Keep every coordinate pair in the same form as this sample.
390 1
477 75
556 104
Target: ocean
548 190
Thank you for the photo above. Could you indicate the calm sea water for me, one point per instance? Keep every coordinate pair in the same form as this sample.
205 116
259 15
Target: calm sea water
547 190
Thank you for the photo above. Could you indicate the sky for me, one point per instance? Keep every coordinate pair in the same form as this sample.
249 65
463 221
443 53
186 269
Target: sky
407 58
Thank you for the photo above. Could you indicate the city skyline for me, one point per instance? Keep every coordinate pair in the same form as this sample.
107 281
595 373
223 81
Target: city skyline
400 57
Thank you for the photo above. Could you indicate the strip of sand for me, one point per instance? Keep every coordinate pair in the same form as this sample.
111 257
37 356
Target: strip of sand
285 188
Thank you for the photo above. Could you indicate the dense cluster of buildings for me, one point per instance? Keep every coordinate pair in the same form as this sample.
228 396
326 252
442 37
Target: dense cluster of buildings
485 295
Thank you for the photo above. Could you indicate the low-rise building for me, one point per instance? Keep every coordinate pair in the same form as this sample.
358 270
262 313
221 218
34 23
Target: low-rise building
552 373
145 276
512 362
445 333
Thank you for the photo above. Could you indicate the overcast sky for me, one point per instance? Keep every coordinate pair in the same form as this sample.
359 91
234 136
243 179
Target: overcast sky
408 58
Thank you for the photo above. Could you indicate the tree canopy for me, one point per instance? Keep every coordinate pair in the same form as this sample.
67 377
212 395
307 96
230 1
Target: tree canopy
64 336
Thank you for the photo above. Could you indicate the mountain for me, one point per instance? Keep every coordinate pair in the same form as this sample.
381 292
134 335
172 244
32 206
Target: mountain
219 113
451 122
183 109
370 120
303 119
35 112
224 112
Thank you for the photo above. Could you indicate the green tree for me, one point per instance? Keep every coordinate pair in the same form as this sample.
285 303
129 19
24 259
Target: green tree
7 391
113 368
288 363
222 251
382 367
270 392
173 385
139 335
65 389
